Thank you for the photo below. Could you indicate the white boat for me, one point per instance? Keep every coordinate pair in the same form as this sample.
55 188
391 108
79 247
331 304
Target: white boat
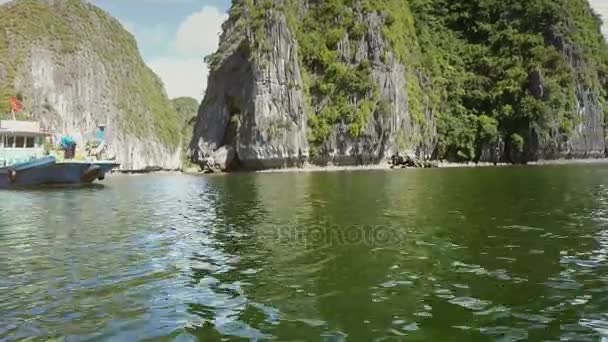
24 161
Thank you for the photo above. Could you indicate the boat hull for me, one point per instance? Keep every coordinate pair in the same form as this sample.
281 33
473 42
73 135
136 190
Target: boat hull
46 171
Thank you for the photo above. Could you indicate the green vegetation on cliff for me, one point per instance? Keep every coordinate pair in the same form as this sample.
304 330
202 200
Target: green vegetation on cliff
346 88
186 109
351 93
495 74
498 69
71 28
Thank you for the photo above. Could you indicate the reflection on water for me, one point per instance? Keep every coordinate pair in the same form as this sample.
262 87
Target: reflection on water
490 254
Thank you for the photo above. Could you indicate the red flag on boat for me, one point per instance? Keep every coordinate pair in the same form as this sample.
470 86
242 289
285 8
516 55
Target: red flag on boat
16 105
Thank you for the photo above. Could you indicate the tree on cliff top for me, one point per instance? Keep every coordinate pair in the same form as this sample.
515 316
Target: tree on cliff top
71 29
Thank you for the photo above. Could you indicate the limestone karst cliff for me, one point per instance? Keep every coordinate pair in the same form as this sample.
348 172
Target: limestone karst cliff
186 109
353 81
75 67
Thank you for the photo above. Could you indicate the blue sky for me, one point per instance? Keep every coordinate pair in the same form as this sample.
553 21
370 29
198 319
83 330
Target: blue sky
173 37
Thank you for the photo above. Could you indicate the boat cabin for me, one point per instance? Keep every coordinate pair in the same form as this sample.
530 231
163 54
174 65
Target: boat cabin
20 141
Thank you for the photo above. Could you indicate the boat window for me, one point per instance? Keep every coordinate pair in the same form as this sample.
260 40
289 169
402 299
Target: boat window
10 142
29 142
20 142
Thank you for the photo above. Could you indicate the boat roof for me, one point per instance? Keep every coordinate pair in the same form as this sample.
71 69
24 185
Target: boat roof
22 127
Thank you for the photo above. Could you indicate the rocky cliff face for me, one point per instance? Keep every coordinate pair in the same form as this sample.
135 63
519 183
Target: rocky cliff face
352 82
588 137
76 67
390 125
187 110
261 97
255 108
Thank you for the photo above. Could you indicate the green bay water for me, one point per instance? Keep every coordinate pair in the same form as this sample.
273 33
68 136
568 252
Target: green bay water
488 254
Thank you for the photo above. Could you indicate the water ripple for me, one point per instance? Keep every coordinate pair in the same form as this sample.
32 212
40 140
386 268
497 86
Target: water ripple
306 257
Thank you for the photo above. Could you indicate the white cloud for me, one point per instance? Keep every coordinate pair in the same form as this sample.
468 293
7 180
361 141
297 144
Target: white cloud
182 68
601 7
180 63
198 34
184 73
182 76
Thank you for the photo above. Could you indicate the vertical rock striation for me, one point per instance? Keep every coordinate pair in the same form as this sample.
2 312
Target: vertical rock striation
588 137
353 82
260 98
252 107
76 67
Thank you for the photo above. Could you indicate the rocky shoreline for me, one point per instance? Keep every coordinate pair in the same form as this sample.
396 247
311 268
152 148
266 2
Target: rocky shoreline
388 166
570 161
219 166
